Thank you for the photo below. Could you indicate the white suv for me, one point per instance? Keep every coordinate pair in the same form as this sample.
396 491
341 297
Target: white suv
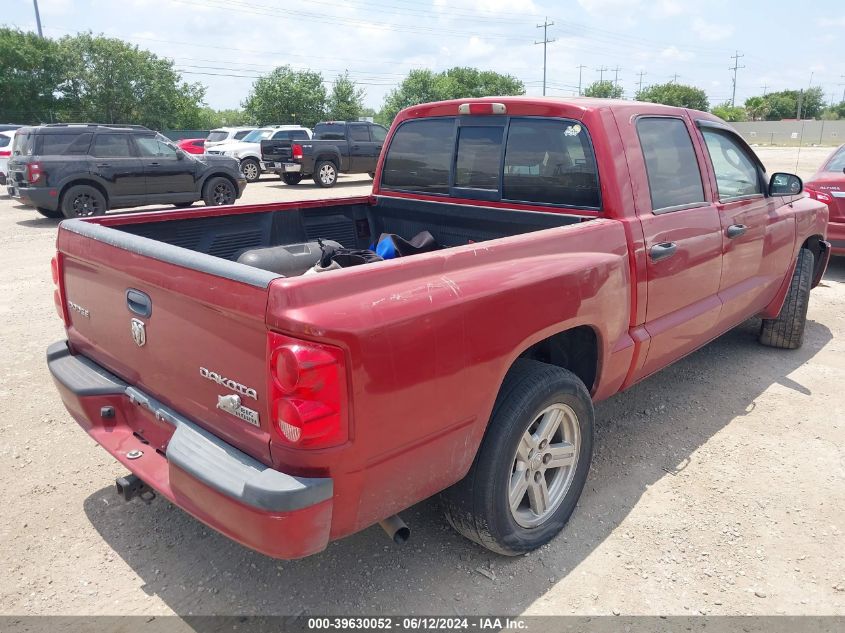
248 150
226 135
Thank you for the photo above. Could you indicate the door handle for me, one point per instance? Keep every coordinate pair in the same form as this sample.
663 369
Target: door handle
103 164
156 164
356 147
662 251
735 230
139 302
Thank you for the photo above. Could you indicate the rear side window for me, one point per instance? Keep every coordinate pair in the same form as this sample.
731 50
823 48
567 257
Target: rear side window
479 157
4 140
65 144
241 134
359 133
551 162
220 135
736 173
420 156
837 163
112 146
22 145
378 133
674 177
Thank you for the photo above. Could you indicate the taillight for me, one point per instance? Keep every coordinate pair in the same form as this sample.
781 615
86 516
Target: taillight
4 153
296 150
33 172
821 196
482 108
58 299
308 391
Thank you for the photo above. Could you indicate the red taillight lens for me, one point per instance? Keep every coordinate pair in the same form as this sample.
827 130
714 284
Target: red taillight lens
33 172
58 295
821 196
482 108
54 269
4 153
296 150
308 387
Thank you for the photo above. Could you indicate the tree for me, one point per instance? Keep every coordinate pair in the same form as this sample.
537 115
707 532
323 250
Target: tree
675 95
30 76
757 108
784 104
287 96
346 101
730 113
604 89
421 86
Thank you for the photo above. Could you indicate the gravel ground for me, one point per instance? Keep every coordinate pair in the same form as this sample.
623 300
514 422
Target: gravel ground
718 487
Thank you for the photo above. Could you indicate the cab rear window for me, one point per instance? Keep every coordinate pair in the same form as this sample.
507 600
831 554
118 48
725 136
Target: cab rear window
520 159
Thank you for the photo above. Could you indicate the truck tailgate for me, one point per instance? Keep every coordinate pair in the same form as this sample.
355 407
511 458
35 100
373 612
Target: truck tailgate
204 334
276 150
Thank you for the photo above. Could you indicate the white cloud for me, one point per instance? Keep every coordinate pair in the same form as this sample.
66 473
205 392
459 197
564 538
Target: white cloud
614 7
711 32
673 53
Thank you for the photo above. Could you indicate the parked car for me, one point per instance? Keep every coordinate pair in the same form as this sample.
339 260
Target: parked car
248 151
224 135
79 170
570 248
828 185
336 147
192 145
9 127
6 141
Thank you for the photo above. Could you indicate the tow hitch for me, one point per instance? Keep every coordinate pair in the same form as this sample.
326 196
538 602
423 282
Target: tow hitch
130 486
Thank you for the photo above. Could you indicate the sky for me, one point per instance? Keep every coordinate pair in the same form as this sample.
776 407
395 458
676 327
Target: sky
226 44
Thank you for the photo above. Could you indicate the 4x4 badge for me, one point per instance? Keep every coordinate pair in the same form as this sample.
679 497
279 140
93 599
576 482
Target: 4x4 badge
139 332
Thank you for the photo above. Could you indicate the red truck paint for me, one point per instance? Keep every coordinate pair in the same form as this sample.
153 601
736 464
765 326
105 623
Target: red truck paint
428 339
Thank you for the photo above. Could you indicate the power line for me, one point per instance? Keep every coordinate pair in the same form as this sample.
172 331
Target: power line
601 72
736 67
616 75
545 26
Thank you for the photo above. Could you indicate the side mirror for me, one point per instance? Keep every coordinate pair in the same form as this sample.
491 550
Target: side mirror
180 154
783 184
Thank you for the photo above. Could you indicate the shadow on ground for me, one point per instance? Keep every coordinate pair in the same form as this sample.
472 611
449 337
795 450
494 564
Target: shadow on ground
642 435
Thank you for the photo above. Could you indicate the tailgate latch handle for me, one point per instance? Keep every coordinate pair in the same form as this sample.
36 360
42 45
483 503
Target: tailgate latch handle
139 302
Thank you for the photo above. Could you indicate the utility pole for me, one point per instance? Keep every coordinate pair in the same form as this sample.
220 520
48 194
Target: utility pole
601 73
843 90
37 18
616 75
545 26
735 67
640 82
764 87
674 78
580 70
800 99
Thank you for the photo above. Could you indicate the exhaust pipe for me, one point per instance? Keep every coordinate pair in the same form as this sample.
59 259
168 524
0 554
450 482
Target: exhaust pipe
130 486
396 529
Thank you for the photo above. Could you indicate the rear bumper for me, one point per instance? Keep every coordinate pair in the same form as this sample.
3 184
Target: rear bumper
836 237
279 515
43 197
284 168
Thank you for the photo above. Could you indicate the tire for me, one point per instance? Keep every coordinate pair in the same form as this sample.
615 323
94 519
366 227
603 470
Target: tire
50 213
325 174
787 330
292 178
219 191
251 169
478 506
183 205
82 201
372 174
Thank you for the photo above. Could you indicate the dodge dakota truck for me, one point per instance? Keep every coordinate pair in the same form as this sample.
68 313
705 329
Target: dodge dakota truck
337 146
575 246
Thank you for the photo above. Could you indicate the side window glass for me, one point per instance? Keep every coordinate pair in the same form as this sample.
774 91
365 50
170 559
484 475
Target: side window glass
378 133
552 162
241 134
674 177
736 173
150 146
419 156
65 144
112 146
359 133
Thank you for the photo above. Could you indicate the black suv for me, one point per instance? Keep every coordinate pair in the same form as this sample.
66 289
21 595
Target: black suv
78 170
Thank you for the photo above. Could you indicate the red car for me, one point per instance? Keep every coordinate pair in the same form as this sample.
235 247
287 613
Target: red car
828 185
544 254
192 145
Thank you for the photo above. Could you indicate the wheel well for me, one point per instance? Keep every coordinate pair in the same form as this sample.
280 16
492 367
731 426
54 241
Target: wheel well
218 175
813 244
575 350
329 158
90 183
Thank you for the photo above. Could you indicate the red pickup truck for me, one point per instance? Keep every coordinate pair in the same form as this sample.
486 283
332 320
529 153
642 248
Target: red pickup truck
579 246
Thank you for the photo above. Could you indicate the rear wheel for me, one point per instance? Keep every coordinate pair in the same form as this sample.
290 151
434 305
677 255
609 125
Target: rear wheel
532 463
325 174
82 201
49 213
182 205
787 330
251 169
219 191
292 178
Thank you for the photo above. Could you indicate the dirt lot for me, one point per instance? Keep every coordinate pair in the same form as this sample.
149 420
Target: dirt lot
718 487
